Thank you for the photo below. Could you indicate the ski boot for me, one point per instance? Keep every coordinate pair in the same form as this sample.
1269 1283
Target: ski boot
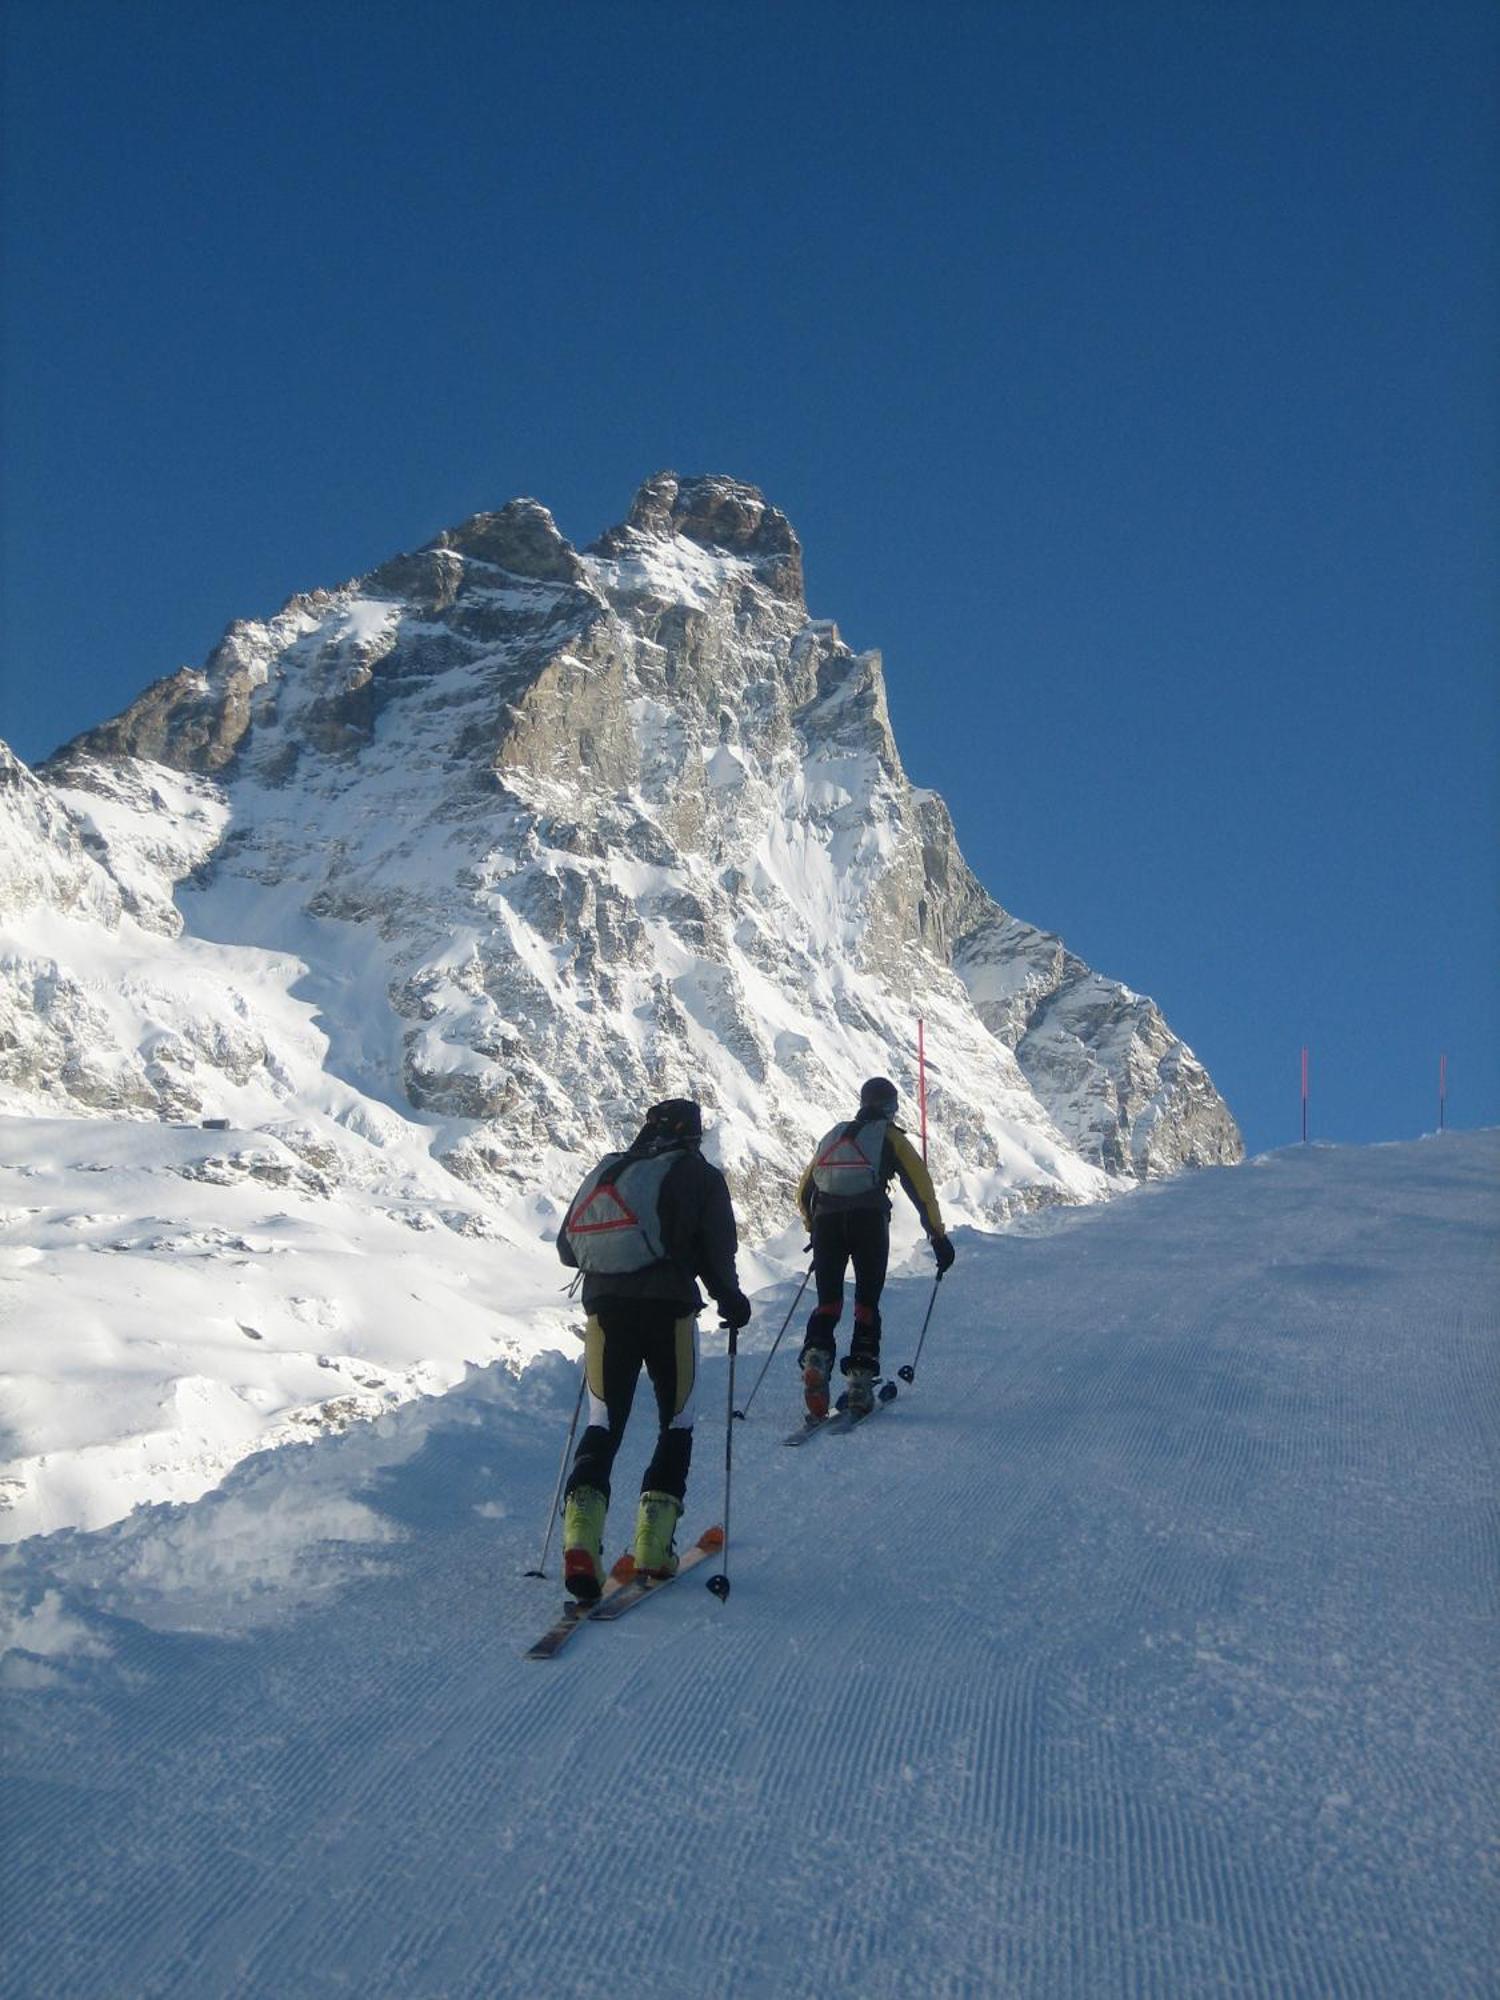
583 1544
817 1366
655 1523
861 1372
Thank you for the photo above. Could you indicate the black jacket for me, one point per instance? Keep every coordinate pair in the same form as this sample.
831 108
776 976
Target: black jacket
697 1228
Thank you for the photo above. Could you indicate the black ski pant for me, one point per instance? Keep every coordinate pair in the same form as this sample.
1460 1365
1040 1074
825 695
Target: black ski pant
622 1337
863 1236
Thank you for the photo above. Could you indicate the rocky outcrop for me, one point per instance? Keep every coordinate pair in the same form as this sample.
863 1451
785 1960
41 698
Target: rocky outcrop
522 539
1121 1086
719 515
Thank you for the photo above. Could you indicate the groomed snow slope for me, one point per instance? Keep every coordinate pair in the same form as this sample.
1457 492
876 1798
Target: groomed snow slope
1145 1647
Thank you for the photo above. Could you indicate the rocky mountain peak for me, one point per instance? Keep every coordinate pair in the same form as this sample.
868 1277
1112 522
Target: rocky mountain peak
719 514
522 539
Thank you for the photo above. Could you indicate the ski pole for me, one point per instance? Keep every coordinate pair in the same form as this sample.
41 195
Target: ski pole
719 1584
908 1373
775 1344
562 1473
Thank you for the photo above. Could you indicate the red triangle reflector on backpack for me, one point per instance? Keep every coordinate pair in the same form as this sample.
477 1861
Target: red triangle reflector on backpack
604 1208
842 1153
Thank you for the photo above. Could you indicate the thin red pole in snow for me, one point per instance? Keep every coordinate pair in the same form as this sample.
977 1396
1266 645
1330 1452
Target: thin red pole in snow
922 1080
1442 1093
1304 1094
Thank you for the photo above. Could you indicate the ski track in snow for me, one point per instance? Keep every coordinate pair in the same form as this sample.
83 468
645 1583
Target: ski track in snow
1145 1647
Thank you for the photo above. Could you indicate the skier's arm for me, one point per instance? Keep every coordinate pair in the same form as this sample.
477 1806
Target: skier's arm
718 1239
911 1170
805 1192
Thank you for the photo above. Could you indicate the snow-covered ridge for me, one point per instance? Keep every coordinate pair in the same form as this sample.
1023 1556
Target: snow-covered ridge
455 867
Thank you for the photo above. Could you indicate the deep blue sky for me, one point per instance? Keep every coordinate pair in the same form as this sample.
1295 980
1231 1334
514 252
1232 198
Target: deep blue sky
1128 371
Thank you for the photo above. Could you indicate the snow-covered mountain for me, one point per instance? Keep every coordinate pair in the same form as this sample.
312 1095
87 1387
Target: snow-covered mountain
427 884
582 828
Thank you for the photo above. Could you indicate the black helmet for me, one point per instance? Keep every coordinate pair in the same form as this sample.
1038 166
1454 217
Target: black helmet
879 1095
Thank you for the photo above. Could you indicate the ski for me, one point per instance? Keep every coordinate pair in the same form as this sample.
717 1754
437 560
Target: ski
574 1613
849 1420
638 1588
809 1427
838 1418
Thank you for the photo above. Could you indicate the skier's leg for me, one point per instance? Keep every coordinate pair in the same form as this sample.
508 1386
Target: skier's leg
612 1366
870 1246
671 1351
830 1255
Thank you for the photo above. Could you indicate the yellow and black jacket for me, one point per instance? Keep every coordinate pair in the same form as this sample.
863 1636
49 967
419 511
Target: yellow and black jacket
899 1160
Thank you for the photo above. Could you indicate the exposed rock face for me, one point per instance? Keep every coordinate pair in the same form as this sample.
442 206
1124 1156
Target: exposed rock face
716 514
43 858
522 539
552 834
1117 1079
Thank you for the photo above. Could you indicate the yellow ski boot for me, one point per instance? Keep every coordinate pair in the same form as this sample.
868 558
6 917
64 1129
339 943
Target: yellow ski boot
655 1524
583 1543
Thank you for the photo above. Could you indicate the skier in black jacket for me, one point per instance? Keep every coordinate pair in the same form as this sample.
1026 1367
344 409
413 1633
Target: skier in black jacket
645 1226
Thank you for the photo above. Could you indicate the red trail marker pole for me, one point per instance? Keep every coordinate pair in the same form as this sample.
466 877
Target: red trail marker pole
922 1080
1304 1093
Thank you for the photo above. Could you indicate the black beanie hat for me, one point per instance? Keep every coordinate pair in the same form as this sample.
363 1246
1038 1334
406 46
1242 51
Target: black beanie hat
679 1116
879 1094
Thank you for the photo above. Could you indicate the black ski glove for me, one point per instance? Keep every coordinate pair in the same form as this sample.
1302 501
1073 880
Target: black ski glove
944 1252
735 1311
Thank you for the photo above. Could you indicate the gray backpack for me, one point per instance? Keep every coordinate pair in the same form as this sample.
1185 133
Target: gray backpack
847 1161
614 1221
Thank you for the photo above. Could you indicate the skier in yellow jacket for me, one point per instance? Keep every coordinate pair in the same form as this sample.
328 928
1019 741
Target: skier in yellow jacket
843 1200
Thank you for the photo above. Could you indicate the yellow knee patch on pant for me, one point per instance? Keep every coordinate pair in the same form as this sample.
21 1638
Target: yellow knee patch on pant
593 1357
686 1331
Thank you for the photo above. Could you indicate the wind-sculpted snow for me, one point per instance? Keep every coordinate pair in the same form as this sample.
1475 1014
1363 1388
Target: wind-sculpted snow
1144 1647
492 847
173 1299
